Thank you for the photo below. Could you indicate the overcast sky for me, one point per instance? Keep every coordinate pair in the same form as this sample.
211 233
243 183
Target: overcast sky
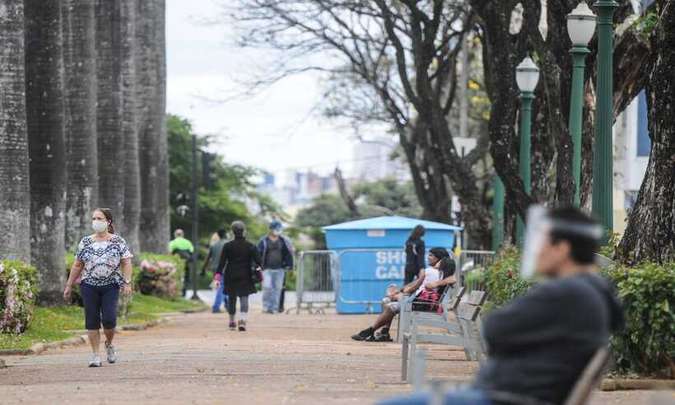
273 130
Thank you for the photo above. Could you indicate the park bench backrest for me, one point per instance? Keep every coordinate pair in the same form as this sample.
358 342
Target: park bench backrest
477 297
454 301
470 309
589 378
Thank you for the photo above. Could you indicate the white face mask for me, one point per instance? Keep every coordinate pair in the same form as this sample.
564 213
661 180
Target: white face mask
276 232
99 226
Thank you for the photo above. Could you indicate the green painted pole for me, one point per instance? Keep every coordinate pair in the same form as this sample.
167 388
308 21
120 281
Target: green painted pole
525 153
498 214
576 115
603 151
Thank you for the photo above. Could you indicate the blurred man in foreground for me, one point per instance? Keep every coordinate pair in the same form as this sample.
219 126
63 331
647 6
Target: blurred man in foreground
539 344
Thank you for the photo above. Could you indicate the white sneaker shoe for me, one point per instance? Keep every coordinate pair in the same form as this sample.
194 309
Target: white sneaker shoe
95 361
111 354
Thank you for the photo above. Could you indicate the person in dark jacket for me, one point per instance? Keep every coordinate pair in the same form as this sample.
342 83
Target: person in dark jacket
276 252
235 270
539 344
414 254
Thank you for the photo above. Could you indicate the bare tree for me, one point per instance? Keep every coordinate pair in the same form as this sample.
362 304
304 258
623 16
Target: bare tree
406 53
45 123
151 121
651 227
14 169
79 55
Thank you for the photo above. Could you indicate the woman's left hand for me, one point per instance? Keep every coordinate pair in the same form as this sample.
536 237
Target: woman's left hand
126 289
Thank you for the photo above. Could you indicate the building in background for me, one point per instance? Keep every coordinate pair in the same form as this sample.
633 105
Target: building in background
632 145
373 160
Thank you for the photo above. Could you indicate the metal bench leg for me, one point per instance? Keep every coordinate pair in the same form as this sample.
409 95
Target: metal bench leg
412 351
404 358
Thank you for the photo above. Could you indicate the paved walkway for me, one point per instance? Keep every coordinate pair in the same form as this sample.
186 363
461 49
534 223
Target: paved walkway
283 359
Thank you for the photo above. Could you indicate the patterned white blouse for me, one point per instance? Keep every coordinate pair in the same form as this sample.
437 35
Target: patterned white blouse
102 260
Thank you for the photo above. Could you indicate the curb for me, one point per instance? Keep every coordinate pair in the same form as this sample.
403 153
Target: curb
625 384
39 348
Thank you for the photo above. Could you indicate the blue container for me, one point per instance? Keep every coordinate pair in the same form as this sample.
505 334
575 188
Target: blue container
371 256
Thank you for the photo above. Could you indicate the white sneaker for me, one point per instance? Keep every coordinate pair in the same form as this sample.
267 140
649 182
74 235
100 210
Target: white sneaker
95 361
110 353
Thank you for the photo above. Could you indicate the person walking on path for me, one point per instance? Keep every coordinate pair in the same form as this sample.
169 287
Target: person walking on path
235 270
414 254
103 267
276 252
183 248
215 249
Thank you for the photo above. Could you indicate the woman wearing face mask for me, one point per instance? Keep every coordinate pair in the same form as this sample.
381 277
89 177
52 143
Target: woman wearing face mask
103 263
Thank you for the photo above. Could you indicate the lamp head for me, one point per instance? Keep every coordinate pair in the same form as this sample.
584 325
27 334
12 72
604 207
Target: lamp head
527 75
581 25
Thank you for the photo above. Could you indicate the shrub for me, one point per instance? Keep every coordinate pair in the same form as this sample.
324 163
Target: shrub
647 344
502 278
18 290
160 275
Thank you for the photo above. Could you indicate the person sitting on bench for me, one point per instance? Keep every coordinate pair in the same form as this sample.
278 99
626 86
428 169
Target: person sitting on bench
427 289
540 343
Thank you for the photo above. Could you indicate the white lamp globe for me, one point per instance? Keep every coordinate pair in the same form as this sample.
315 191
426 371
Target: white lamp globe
527 75
581 25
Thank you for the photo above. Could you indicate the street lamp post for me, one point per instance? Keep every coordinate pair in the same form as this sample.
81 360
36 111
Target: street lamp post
195 221
527 77
580 27
602 153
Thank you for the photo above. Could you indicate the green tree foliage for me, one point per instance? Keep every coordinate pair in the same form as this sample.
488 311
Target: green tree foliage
232 193
388 197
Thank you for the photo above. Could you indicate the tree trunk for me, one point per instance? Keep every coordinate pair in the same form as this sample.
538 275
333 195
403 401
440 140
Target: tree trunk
14 168
651 226
153 147
132 186
79 55
110 144
44 113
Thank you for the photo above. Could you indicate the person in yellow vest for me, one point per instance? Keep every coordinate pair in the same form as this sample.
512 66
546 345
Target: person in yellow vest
183 248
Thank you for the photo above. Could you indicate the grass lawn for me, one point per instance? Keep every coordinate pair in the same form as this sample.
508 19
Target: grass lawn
58 323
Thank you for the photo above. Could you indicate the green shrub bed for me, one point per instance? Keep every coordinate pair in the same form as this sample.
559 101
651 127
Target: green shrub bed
18 290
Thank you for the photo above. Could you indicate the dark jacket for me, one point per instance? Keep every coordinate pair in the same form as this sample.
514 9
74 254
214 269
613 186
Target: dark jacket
414 256
236 264
286 252
539 344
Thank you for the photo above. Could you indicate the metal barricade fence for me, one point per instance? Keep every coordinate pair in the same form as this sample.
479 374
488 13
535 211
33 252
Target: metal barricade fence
470 263
316 281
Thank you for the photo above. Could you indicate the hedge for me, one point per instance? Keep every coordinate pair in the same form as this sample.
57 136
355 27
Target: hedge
647 345
18 291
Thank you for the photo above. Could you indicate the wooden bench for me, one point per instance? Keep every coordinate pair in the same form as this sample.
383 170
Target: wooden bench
456 332
468 316
448 302
588 380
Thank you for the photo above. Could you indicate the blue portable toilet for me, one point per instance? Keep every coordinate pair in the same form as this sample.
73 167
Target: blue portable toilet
371 255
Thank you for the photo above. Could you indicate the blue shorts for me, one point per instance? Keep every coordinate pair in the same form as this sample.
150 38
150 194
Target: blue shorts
100 305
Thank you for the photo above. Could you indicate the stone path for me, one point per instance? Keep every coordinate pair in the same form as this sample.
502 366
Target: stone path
283 359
